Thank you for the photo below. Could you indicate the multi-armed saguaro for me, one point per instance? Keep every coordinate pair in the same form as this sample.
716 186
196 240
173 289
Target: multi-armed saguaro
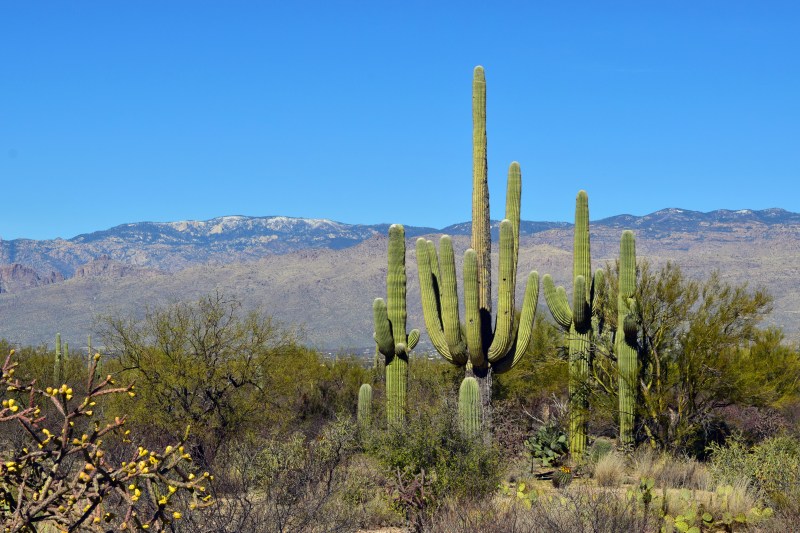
390 328
580 322
475 344
625 343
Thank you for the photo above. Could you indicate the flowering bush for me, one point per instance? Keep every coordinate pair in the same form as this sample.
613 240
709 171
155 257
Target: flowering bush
64 477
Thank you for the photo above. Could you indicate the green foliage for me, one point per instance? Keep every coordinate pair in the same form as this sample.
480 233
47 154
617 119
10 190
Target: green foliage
548 446
643 493
600 448
521 493
541 373
772 467
694 357
433 442
694 517
208 365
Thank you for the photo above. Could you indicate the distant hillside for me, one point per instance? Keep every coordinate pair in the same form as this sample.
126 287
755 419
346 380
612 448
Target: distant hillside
173 246
324 274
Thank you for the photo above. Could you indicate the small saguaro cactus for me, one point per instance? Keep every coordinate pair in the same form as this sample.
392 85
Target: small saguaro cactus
364 414
475 345
580 323
58 364
469 408
625 342
390 328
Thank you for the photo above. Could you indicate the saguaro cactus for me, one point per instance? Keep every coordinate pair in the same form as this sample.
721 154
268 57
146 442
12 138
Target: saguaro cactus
364 414
474 344
626 343
469 407
580 322
58 364
390 328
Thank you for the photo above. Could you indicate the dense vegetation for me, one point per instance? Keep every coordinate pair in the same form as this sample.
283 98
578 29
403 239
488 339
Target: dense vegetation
274 423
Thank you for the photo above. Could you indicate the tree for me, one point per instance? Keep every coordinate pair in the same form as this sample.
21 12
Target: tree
209 365
694 352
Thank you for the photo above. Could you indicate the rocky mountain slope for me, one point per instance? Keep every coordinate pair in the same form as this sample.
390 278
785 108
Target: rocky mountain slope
323 275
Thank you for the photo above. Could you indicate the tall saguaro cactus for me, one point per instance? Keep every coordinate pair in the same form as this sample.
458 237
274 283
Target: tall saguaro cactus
474 344
580 322
625 343
390 328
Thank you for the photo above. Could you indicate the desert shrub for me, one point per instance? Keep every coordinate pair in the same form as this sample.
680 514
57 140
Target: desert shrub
668 470
754 424
574 510
227 373
730 508
66 477
600 447
682 472
429 459
585 509
293 484
486 515
609 471
700 349
771 467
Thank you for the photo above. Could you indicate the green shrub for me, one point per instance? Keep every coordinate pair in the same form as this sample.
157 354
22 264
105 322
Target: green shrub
432 442
771 467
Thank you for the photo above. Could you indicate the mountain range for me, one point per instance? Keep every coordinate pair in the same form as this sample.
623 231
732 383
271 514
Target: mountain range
323 275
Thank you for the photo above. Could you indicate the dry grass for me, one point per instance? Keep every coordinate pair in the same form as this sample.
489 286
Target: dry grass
669 471
609 471
573 510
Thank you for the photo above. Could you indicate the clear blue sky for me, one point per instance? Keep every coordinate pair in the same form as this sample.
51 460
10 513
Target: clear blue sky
114 112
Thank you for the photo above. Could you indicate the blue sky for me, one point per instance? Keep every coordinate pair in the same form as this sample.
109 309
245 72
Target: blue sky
114 112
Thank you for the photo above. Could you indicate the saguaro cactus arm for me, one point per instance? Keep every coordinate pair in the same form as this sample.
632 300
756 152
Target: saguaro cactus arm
440 300
383 328
525 328
504 333
556 298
